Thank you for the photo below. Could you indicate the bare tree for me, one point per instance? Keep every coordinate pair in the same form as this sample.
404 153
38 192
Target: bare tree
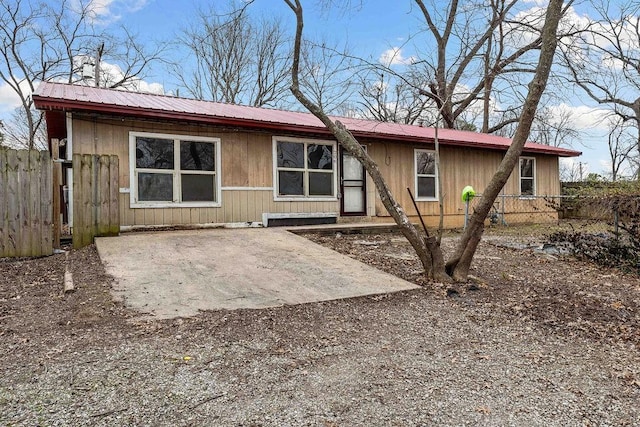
554 127
389 99
42 41
428 249
476 45
326 72
238 59
621 144
605 60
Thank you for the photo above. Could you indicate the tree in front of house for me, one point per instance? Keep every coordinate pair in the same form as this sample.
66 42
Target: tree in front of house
428 249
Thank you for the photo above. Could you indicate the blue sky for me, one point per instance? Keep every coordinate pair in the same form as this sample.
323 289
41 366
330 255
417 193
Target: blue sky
369 30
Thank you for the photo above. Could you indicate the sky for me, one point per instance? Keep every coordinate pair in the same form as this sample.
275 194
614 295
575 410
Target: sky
375 30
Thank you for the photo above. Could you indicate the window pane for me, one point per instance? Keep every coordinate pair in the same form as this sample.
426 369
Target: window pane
155 187
320 184
426 186
320 156
290 183
526 187
426 163
526 168
290 155
197 188
197 156
154 153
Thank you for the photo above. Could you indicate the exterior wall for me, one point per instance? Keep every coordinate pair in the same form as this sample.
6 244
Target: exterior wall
247 175
461 167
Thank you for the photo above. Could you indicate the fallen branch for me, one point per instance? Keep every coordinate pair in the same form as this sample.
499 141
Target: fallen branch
104 414
68 277
209 399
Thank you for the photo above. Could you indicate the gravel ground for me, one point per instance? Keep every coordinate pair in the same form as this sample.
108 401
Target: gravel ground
536 340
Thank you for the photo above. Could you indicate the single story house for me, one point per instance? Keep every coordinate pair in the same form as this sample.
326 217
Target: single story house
190 162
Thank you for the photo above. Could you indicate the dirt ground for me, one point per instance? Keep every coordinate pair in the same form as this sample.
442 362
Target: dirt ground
536 339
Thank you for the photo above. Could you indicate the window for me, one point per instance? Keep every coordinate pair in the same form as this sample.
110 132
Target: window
304 169
426 180
527 176
169 170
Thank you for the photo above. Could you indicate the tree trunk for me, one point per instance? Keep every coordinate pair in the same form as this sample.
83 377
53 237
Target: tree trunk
458 266
427 250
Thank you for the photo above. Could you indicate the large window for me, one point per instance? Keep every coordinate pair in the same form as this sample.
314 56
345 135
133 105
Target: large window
304 169
426 179
527 176
169 170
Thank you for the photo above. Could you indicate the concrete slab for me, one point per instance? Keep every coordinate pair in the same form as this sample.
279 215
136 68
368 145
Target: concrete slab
177 273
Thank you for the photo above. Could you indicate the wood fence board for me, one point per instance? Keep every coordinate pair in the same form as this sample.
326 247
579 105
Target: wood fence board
114 196
25 203
15 204
46 205
95 198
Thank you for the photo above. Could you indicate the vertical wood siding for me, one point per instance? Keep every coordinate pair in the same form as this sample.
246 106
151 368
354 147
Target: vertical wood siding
246 163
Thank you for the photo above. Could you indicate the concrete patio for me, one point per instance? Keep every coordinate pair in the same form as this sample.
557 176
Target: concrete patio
169 274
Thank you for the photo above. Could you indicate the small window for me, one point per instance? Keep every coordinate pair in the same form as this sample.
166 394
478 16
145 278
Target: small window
426 179
304 169
527 176
173 170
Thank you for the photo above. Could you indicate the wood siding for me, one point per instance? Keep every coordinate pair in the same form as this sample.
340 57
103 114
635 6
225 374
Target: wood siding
247 174
246 160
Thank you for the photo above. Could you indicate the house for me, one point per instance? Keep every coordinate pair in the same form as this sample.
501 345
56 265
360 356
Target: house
190 162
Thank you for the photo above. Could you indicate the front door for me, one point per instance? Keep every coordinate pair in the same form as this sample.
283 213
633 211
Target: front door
352 186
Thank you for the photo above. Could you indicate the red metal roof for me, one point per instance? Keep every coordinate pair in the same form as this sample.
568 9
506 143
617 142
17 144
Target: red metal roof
66 97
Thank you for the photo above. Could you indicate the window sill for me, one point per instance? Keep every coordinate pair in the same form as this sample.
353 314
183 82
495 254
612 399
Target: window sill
425 199
164 205
305 199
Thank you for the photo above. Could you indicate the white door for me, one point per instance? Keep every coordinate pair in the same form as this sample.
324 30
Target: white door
352 186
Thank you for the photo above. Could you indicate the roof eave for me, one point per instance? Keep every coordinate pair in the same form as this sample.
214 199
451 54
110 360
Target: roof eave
45 103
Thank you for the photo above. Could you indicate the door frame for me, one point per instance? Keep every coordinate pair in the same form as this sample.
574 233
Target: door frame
364 187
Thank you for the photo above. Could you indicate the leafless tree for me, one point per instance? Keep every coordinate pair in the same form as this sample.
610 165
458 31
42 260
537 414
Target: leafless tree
554 127
428 249
42 41
326 72
570 170
389 99
475 47
621 144
605 60
238 59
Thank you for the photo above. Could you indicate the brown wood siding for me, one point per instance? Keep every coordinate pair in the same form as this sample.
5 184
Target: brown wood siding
246 162
459 167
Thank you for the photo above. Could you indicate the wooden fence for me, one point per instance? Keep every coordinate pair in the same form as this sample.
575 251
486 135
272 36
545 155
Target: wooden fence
25 203
95 198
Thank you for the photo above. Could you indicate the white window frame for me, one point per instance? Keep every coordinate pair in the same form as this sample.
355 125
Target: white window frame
520 177
175 172
305 198
416 176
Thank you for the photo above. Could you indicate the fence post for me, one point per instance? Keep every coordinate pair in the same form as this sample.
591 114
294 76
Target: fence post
466 213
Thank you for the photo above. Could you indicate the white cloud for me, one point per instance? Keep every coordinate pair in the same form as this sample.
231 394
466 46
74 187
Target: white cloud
394 56
9 100
109 11
583 117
